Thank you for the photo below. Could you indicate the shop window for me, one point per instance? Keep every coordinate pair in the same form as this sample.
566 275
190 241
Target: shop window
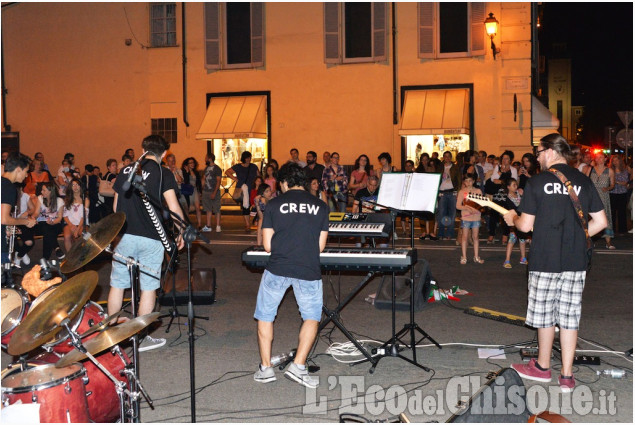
448 30
234 35
163 25
355 32
165 127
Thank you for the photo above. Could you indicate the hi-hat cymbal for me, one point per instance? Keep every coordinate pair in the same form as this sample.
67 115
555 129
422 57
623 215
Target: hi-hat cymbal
91 244
108 338
44 320
103 324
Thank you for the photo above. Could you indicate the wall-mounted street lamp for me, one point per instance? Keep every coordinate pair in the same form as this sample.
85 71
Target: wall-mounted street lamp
491 27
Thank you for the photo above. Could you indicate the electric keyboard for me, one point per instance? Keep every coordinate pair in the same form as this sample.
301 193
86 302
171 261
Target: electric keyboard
341 259
377 225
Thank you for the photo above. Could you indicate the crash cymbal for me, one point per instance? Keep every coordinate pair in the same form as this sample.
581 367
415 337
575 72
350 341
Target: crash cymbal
44 320
94 242
103 324
108 338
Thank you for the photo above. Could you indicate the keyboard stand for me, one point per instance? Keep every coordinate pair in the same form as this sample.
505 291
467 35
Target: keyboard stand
391 347
334 316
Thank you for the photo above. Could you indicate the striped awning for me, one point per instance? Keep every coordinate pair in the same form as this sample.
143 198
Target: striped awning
443 111
235 117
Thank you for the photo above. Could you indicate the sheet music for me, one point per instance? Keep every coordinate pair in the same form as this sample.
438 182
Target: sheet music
409 191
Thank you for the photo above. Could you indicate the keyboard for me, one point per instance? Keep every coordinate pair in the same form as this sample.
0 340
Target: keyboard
342 259
377 225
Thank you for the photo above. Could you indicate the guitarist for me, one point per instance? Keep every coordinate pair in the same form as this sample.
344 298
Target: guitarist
558 258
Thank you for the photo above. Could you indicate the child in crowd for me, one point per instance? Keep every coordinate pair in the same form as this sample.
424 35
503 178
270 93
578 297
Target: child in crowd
74 213
263 196
470 217
512 201
253 212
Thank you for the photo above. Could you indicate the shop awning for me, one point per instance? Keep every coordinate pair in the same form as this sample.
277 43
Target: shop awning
235 117
542 120
435 112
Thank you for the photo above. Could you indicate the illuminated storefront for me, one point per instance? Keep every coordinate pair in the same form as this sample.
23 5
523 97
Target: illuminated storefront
435 120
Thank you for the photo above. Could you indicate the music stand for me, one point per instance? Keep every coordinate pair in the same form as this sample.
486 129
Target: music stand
406 193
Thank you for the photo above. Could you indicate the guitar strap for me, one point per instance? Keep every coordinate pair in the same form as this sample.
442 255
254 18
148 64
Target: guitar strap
578 208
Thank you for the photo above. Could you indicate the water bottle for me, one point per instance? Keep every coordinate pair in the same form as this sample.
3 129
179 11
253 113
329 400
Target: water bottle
613 373
276 360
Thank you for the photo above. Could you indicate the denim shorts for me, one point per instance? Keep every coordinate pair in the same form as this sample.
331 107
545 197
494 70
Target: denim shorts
308 295
148 252
470 224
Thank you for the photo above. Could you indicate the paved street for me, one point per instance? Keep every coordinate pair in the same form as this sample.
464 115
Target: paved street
226 353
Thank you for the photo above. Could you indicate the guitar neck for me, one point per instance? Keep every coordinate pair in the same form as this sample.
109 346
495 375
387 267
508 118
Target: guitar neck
485 202
497 208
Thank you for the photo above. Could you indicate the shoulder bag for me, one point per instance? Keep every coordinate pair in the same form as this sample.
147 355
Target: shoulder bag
579 212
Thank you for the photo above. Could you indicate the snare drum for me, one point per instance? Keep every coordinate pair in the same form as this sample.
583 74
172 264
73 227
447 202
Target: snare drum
15 305
60 392
91 314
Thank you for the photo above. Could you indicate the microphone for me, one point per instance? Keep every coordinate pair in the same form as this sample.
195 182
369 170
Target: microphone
126 185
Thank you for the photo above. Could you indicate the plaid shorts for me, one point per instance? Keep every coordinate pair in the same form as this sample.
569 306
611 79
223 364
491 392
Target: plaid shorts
555 298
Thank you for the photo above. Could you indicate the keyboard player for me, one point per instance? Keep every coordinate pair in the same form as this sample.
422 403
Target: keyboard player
365 202
295 230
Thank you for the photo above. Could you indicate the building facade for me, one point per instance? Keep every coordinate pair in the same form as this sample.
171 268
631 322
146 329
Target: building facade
403 78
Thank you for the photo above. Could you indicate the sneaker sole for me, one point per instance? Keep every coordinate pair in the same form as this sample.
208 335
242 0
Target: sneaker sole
531 378
294 378
265 380
141 350
566 389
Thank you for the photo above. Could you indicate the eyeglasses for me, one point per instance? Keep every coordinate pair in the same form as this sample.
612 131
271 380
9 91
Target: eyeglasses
540 150
335 157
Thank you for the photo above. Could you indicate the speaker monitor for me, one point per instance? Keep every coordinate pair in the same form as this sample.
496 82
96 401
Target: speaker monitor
203 287
422 278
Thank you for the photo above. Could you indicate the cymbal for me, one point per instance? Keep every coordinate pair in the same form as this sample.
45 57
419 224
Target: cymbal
103 324
108 338
44 320
94 242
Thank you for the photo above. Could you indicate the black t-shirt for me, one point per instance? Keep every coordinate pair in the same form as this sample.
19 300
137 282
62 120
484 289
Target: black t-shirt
559 242
316 172
138 220
245 175
363 196
297 218
10 197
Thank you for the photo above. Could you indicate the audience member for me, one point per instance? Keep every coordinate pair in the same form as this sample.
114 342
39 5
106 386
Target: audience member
620 193
335 184
35 177
74 215
385 165
446 210
313 169
603 178
191 187
211 196
470 218
244 174
512 201
360 174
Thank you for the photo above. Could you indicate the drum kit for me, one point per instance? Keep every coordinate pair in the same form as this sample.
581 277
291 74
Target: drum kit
74 378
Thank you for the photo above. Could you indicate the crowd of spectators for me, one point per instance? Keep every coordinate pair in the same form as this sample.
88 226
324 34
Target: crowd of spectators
54 195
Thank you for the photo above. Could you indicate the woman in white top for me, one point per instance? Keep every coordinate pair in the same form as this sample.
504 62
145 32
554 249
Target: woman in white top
50 210
74 213
25 208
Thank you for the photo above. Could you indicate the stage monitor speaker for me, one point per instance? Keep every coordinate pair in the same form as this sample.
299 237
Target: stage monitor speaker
203 287
383 299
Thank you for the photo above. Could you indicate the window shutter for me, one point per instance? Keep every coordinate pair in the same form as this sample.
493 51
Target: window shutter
477 29
379 31
212 35
257 34
332 33
425 18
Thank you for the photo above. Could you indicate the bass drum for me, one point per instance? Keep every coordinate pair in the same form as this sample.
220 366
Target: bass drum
60 392
101 395
15 305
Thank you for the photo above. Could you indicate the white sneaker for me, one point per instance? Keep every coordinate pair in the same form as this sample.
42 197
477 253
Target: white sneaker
26 260
149 343
16 262
206 229
217 229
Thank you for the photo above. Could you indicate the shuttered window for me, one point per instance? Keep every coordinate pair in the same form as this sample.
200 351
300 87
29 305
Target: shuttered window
355 32
451 29
234 35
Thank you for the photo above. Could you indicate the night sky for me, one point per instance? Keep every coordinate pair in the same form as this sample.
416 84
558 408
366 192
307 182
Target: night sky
599 38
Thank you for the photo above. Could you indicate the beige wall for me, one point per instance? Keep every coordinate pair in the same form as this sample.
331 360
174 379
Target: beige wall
75 86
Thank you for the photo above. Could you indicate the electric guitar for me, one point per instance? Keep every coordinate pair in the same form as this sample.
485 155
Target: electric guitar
484 201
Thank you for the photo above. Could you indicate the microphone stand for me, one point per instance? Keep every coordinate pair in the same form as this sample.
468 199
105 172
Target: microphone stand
189 235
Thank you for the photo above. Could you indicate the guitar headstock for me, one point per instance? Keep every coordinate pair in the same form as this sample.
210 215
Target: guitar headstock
478 198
